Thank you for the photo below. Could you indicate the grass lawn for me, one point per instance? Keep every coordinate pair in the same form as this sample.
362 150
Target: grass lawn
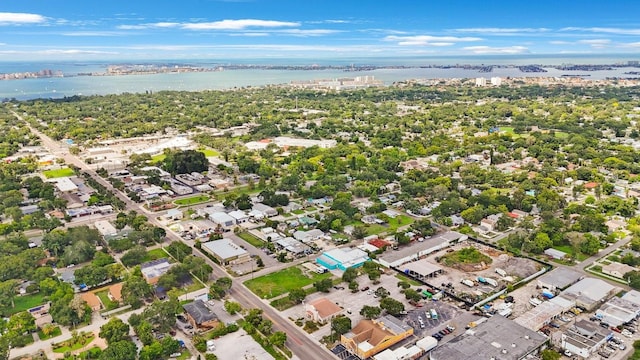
283 281
104 297
409 280
374 229
298 212
155 254
84 341
92 353
209 152
567 249
399 221
561 135
184 355
195 285
193 200
52 174
507 129
252 239
54 333
158 158
25 303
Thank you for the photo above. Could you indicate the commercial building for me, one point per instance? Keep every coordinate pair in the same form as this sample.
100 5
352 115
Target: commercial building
584 338
370 337
558 279
620 310
226 251
541 315
152 270
420 249
408 352
322 310
589 293
222 219
239 216
496 338
65 185
421 269
342 259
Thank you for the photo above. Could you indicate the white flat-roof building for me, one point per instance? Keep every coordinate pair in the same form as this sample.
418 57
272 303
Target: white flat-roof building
226 251
618 311
239 216
105 228
64 184
222 219
558 279
589 293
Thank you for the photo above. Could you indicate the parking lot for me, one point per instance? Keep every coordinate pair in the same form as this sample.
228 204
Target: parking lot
448 314
239 345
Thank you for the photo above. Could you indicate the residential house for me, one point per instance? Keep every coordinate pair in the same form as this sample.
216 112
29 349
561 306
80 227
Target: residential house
152 270
490 222
200 315
92 300
115 293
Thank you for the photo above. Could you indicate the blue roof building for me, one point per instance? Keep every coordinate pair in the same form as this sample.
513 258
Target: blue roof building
342 258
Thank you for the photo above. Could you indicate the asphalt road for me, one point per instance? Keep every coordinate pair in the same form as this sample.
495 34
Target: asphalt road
297 341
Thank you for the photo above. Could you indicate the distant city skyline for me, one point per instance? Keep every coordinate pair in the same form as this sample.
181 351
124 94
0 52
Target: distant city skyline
285 29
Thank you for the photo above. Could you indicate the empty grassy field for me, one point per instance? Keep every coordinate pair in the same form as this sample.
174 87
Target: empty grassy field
192 200
283 281
251 239
58 173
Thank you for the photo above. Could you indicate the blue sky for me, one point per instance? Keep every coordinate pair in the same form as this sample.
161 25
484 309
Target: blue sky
226 29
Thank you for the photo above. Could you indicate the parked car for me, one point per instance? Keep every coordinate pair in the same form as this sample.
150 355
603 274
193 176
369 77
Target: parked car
615 329
364 288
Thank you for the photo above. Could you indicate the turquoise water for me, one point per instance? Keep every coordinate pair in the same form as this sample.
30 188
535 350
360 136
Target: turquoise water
100 85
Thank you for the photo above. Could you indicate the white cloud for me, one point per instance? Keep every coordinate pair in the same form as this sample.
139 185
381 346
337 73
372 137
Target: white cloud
501 31
95 33
484 50
604 30
132 27
631 45
311 32
72 52
595 41
7 18
560 42
238 24
428 40
251 34
165 24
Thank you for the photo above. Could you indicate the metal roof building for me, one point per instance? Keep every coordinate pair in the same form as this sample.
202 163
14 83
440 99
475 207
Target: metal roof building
496 338
558 278
226 251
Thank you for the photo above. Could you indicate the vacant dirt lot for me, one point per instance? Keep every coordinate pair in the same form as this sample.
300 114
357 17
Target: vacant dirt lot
515 269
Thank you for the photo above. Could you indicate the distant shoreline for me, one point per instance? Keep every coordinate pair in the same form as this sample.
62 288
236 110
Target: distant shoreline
123 69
